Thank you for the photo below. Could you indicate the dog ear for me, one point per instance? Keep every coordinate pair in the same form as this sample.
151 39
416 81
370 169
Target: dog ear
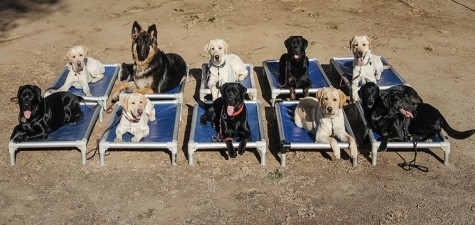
287 42
37 91
148 105
152 30
124 102
136 28
84 49
207 47
305 43
343 98
225 44
351 42
319 94
244 90
369 41
68 54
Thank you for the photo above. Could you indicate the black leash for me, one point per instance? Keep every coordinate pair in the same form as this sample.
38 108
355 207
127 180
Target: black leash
407 166
96 149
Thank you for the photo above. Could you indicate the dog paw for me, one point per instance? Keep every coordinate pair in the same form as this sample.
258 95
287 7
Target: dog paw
241 151
232 153
135 139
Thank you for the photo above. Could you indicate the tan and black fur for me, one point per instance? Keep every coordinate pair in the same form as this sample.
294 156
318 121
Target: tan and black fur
153 70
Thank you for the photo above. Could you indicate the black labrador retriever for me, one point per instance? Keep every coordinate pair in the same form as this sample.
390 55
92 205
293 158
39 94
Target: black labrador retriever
428 122
228 116
293 66
40 116
389 111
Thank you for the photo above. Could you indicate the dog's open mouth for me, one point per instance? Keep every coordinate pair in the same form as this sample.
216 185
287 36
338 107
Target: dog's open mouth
230 110
27 114
359 61
406 113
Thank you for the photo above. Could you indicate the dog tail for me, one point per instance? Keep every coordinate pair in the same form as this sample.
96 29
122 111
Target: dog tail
455 133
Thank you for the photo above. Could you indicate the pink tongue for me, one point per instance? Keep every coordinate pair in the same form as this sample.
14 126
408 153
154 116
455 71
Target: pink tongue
406 113
359 62
296 56
27 114
230 110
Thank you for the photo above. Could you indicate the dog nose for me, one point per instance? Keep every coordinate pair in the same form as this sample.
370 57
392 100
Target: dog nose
216 57
140 111
329 109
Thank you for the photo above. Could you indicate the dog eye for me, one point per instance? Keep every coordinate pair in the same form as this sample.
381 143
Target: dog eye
364 44
80 55
335 99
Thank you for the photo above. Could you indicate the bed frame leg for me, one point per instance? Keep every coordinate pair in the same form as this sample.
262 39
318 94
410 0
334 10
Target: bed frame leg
446 147
374 153
12 149
102 151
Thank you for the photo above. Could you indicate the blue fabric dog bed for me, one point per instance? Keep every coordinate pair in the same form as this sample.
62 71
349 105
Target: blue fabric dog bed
248 82
318 78
293 137
68 136
201 136
163 131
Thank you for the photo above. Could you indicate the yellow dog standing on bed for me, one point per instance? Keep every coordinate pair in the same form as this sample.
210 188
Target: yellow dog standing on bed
323 117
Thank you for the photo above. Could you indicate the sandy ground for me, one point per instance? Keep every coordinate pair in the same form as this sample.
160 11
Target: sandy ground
431 43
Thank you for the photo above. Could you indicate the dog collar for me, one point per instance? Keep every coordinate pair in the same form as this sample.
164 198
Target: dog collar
237 112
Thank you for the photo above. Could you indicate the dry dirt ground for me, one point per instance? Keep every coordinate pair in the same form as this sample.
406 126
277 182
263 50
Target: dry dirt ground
431 43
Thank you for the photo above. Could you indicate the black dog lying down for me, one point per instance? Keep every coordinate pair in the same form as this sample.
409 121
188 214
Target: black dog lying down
228 115
389 111
293 66
399 114
40 116
428 122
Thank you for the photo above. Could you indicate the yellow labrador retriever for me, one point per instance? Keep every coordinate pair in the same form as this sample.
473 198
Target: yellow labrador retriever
82 70
367 67
137 112
323 117
223 66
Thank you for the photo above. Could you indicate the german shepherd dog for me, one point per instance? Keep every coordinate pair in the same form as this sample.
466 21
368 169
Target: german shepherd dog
153 70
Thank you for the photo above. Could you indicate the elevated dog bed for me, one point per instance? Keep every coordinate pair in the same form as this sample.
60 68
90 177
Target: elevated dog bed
318 78
248 82
175 93
440 141
69 136
293 137
344 67
163 131
200 137
100 90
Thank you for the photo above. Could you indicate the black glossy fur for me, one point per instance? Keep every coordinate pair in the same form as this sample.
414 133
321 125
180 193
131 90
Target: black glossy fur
293 66
428 122
381 110
229 127
40 116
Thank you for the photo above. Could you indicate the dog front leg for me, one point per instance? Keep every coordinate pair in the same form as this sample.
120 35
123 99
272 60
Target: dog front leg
85 88
144 91
348 138
333 144
122 87
243 137
118 134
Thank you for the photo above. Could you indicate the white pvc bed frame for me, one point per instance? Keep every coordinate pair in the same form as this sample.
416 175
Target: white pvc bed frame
248 82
